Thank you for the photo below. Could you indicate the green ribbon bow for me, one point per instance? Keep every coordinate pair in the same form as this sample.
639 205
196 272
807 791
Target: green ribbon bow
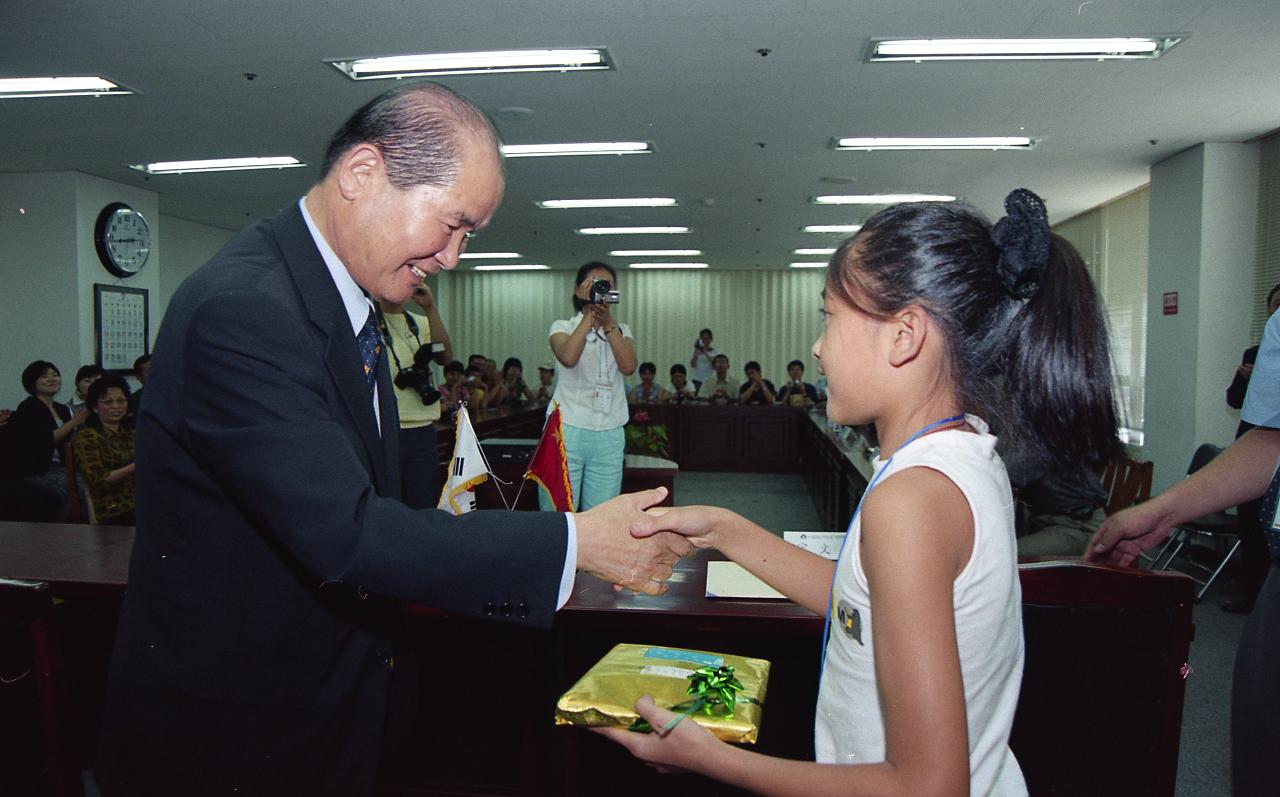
714 689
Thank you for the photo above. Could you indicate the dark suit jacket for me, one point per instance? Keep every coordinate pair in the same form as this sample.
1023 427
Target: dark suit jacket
255 646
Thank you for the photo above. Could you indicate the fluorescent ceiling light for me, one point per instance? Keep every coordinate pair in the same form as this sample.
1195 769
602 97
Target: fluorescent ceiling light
1020 49
808 265
489 255
666 265
217 165
636 202
70 86
655 252
584 148
880 199
972 142
832 228
496 61
812 251
512 267
632 230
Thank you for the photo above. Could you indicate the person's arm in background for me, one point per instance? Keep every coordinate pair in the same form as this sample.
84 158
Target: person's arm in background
67 427
425 299
1240 381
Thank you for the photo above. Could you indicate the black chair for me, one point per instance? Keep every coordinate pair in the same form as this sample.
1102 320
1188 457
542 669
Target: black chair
1217 526
1100 711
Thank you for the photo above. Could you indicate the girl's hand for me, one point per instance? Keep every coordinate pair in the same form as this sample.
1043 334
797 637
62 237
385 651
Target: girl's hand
686 747
697 523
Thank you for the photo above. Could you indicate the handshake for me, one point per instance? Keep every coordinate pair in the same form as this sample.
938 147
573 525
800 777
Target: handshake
607 549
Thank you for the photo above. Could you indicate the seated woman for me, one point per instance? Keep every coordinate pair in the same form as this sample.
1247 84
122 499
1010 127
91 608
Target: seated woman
516 392
38 429
104 452
647 391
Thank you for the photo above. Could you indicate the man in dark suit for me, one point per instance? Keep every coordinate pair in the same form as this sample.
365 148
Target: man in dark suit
256 647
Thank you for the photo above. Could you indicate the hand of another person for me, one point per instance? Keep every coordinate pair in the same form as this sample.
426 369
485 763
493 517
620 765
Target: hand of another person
1126 534
1245 370
80 416
698 524
423 296
607 549
677 749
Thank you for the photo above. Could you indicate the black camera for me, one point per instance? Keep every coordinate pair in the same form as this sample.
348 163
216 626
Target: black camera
418 377
602 292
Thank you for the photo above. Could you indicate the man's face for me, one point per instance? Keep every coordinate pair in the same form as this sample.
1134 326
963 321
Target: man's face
752 374
391 238
796 372
545 375
721 364
647 377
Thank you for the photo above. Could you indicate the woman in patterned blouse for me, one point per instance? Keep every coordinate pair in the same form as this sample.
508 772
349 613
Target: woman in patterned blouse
104 452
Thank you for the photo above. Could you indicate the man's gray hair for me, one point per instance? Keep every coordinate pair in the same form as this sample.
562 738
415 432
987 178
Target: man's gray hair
420 128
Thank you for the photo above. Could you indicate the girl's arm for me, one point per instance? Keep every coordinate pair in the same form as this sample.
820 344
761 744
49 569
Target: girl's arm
917 535
802 576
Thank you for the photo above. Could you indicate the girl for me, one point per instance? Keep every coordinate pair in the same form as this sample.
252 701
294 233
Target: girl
926 312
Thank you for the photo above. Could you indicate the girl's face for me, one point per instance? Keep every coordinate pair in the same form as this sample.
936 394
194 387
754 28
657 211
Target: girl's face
112 406
514 373
846 352
677 380
49 383
646 377
82 385
452 378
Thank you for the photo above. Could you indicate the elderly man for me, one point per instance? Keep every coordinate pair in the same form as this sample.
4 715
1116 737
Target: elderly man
256 650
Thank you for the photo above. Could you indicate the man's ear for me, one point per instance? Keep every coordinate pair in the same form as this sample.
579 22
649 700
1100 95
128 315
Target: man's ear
908 332
357 169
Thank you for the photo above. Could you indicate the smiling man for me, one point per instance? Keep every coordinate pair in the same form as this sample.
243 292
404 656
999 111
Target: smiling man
256 651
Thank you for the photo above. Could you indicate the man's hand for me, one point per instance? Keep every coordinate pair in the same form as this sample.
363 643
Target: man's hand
1126 534
1245 370
607 550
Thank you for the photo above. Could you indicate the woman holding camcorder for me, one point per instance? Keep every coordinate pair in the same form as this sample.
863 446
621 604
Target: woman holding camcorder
595 352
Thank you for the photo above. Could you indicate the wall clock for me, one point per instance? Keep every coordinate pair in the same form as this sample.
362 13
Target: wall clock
123 239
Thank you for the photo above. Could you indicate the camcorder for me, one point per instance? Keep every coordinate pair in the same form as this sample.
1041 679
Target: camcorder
602 292
418 377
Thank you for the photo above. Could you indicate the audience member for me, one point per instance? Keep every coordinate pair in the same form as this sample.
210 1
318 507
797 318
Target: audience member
517 392
410 339
797 392
454 391
104 452
647 391
20 500
680 390
1254 561
546 382
141 372
86 376
701 362
496 394
718 389
757 389
476 387
595 352
39 428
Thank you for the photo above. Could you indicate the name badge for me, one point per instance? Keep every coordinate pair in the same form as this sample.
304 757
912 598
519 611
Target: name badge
603 401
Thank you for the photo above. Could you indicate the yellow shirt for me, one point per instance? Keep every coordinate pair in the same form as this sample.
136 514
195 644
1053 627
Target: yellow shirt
413 413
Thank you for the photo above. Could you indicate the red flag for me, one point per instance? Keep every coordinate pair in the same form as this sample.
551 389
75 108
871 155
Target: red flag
548 466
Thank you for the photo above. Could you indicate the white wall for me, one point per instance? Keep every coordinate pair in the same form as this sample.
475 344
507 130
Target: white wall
1203 228
49 265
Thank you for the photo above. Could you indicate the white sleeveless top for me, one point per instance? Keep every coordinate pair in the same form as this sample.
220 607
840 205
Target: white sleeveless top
849 726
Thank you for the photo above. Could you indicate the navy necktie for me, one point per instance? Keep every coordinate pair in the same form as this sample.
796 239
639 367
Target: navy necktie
369 342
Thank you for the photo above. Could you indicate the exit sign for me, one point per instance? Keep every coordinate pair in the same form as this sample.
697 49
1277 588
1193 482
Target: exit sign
1171 303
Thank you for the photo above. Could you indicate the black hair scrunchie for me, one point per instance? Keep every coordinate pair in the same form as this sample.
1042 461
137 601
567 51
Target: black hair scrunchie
1023 238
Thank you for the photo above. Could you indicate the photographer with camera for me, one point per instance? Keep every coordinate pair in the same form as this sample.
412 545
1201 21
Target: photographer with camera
704 355
414 342
596 352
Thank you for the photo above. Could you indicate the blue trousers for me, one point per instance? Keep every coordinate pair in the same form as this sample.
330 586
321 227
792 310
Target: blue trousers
595 466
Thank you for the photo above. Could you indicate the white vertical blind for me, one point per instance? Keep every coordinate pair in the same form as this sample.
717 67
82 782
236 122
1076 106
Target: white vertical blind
1112 240
768 316
1268 274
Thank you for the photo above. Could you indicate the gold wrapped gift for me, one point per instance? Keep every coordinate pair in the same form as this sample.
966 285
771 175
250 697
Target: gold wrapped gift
607 694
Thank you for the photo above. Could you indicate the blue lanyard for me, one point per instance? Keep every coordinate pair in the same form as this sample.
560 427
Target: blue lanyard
826 625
